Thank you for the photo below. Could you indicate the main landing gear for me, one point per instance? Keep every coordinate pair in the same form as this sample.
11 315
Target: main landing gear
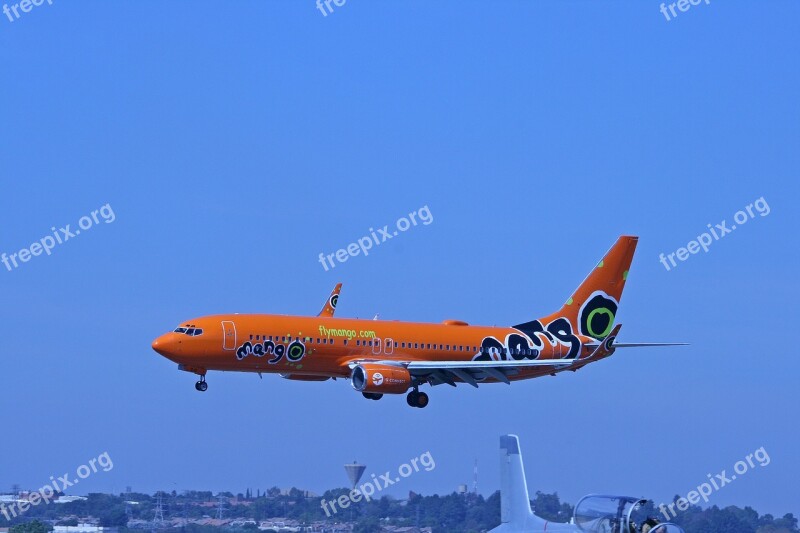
201 385
416 398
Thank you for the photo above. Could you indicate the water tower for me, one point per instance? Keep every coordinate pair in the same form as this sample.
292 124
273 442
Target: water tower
354 473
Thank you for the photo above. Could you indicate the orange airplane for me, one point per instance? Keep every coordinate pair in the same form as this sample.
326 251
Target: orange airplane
393 357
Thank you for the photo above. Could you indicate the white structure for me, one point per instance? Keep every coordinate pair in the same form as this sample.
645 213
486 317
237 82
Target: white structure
593 514
82 528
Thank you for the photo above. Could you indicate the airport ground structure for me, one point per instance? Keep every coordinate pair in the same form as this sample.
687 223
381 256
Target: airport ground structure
294 510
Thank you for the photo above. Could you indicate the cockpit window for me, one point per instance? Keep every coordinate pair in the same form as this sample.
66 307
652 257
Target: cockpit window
192 332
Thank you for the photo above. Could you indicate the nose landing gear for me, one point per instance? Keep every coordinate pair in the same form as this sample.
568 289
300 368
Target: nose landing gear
201 385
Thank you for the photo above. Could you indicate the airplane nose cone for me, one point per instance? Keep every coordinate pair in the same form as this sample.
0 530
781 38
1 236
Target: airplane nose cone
167 345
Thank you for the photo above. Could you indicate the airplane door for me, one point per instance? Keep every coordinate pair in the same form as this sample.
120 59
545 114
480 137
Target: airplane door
388 346
376 346
228 335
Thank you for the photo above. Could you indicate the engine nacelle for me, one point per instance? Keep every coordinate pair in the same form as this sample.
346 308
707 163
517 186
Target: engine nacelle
380 379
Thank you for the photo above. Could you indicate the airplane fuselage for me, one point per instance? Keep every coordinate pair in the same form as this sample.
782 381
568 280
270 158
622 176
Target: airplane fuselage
323 346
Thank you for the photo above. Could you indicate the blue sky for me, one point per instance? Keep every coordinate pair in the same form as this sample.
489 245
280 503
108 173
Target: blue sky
235 142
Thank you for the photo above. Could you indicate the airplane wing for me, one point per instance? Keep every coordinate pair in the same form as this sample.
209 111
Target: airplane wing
472 372
330 305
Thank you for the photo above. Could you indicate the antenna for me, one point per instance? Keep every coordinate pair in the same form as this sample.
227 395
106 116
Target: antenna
220 506
128 509
158 518
475 478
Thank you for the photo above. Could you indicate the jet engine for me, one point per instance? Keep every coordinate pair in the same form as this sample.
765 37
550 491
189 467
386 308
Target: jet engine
380 379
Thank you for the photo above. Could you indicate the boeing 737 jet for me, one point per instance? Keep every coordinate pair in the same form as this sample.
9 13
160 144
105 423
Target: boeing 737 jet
392 357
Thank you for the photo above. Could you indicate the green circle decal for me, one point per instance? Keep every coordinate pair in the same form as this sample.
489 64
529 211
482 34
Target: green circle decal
597 319
597 316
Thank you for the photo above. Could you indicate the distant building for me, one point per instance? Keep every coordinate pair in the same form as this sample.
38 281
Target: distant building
83 528
303 493
283 525
69 499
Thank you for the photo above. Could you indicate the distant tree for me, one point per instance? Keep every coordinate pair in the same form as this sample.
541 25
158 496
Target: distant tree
114 517
549 507
34 526
367 524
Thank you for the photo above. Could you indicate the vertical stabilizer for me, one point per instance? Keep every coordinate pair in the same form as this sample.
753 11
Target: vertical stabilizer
515 504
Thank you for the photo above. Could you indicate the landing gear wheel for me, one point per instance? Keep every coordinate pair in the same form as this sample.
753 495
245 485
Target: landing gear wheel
372 395
417 399
422 400
201 385
412 398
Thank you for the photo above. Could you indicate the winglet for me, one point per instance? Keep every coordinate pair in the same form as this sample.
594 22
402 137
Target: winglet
330 306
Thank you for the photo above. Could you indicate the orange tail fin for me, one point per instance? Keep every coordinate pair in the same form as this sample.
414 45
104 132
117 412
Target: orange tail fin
593 306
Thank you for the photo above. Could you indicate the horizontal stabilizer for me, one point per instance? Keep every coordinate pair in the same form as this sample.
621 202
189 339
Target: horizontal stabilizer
647 344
